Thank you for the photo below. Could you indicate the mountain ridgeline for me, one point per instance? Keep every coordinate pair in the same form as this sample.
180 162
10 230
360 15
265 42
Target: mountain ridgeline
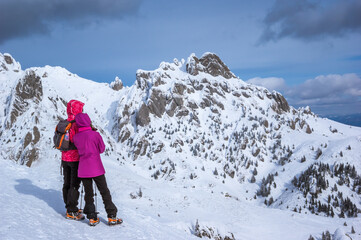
191 121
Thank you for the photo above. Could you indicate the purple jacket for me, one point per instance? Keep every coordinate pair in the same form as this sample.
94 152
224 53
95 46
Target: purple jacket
90 145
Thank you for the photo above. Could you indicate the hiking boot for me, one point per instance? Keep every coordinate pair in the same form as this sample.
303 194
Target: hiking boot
114 221
93 221
77 216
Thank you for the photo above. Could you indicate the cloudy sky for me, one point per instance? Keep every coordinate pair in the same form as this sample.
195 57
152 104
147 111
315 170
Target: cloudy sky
309 50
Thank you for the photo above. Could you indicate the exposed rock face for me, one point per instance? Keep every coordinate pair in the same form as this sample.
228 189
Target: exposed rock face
142 79
179 88
192 66
29 89
8 63
208 63
8 59
125 134
141 148
157 103
29 152
142 118
159 148
117 84
21 113
281 104
214 66
31 156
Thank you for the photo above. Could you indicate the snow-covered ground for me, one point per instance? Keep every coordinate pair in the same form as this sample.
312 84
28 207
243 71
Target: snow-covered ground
31 206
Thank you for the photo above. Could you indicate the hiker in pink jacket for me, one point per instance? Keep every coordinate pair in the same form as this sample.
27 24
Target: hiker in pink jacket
69 163
90 145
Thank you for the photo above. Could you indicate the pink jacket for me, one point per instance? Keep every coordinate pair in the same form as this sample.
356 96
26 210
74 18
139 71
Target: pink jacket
90 145
74 107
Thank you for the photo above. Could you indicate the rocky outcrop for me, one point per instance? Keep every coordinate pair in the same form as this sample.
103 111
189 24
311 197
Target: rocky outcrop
142 117
179 88
142 79
28 90
7 63
30 152
8 59
209 63
117 84
157 103
21 113
210 233
280 105
141 148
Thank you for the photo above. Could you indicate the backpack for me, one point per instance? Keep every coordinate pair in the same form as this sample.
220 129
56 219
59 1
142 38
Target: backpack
61 137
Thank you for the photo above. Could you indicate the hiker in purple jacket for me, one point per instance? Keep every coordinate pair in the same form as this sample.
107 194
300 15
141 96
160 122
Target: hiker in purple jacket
90 145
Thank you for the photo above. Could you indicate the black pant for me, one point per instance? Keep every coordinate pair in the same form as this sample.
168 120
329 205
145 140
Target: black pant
101 183
71 185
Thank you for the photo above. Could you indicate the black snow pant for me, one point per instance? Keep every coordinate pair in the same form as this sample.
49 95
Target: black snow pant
101 184
71 185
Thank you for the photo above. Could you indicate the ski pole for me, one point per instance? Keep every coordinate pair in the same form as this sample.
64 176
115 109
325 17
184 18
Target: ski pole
96 198
81 196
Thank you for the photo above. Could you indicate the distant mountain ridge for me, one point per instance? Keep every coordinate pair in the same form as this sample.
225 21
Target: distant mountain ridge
191 121
349 119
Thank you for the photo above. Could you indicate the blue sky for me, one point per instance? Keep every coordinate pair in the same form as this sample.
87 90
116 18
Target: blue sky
309 50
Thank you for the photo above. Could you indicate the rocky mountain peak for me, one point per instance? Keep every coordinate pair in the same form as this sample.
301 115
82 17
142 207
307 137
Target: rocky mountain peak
167 72
8 63
117 84
209 63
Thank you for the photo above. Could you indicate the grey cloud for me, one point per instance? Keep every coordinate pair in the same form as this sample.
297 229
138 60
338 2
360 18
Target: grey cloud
330 86
332 93
329 94
303 19
22 18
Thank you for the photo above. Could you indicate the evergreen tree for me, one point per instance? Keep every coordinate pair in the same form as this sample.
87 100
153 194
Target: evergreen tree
326 236
197 230
253 179
270 201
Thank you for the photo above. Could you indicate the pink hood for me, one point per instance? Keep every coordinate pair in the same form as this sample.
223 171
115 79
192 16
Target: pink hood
73 108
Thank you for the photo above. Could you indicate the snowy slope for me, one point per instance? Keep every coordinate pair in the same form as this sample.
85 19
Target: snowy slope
195 139
31 205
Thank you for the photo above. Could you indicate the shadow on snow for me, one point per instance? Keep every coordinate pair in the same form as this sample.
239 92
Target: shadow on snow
52 197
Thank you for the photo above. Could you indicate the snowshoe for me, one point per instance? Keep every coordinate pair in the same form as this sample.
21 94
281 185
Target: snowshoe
114 221
93 221
77 216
